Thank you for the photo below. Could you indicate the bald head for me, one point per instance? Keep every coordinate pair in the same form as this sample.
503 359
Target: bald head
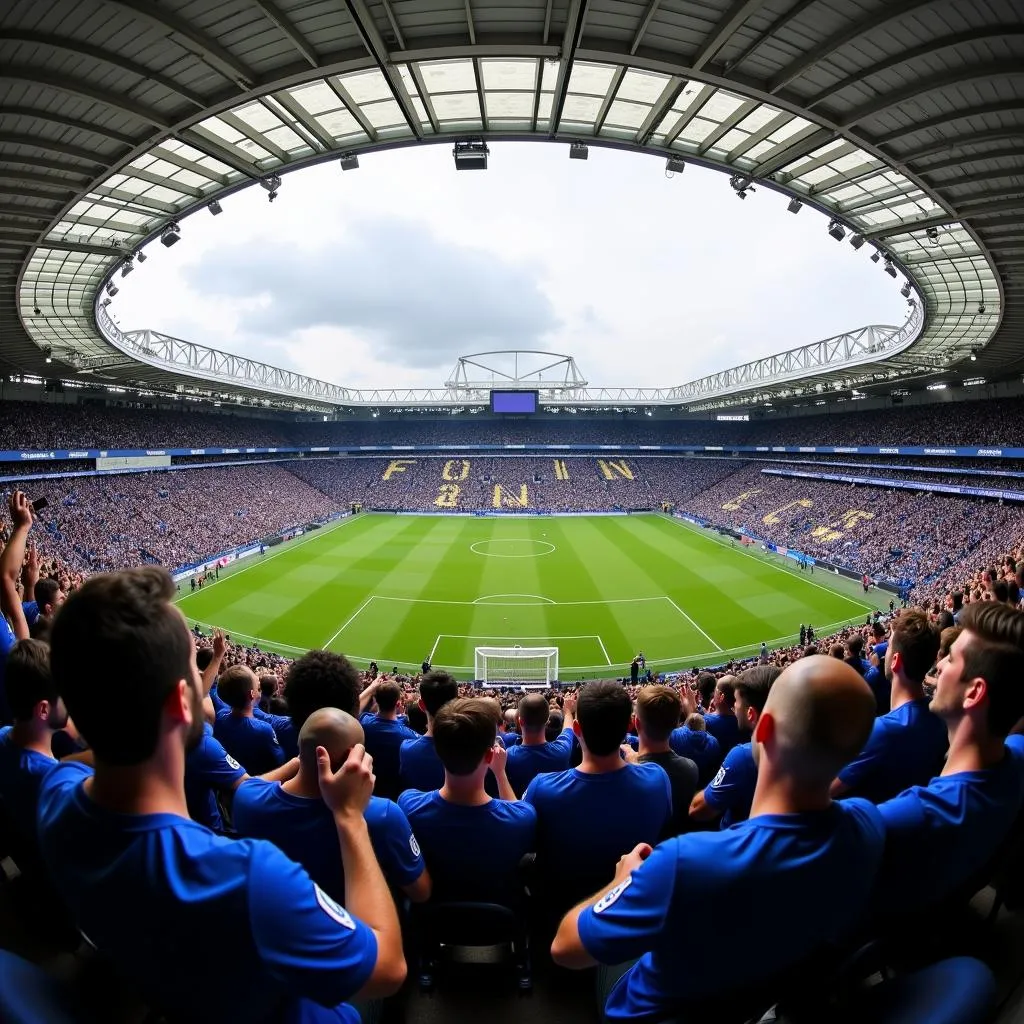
820 714
334 730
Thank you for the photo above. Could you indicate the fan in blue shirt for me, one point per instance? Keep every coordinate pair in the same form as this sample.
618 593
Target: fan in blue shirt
731 792
293 816
145 883
11 563
419 766
385 735
721 722
941 838
692 740
536 755
472 843
792 845
588 817
251 742
907 745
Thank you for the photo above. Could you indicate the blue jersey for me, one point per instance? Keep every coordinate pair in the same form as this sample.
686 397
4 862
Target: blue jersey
31 612
7 641
941 836
586 822
384 739
509 739
473 853
303 829
769 863
725 729
525 763
906 748
250 742
284 729
21 772
144 888
209 767
701 748
732 790
419 765
880 687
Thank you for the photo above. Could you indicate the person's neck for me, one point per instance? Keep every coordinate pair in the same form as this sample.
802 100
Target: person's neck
783 795
533 738
387 716
971 749
649 746
724 712
592 764
156 786
465 790
303 784
904 691
242 712
430 727
29 736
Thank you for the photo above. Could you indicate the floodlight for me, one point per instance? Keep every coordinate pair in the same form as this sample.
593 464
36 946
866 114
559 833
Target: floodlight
127 268
889 269
974 355
141 257
578 151
981 309
933 235
741 185
795 206
37 311
349 162
214 207
856 241
471 155
876 256
48 353
836 230
674 165
171 234
112 289
905 290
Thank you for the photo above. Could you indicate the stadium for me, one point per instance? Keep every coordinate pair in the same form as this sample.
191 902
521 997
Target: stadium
387 693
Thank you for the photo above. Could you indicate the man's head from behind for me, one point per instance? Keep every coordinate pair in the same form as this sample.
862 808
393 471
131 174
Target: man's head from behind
658 709
436 689
603 713
752 688
238 687
913 647
388 696
336 731
533 714
29 686
725 695
123 660
706 688
321 679
982 677
817 717
464 734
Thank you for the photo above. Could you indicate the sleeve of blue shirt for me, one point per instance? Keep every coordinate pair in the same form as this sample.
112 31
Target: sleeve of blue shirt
305 938
396 847
218 705
723 790
903 814
867 761
214 765
278 753
563 741
31 610
623 924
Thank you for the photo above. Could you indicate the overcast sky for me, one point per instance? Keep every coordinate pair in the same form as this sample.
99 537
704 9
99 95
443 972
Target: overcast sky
383 276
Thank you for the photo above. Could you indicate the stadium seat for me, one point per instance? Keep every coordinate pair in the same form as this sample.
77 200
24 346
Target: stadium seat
28 995
461 925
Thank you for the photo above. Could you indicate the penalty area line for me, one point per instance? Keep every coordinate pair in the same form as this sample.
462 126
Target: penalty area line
348 622
709 639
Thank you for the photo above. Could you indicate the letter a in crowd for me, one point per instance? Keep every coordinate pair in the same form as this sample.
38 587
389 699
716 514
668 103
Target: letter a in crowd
455 470
397 466
502 497
612 470
561 470
448 496
773 517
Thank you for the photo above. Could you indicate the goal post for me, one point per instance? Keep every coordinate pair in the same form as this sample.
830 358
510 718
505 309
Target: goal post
516 666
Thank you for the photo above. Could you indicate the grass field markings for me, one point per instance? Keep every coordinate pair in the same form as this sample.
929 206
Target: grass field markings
517 604
512 540
709 639
348 622
256 560
604 651
535 598
430 656
781 568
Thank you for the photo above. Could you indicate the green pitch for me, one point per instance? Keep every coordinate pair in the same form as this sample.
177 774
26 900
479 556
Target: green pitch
398 589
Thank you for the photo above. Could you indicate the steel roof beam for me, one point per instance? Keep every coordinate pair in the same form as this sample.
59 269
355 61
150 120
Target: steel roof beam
645 21
732 20
662 105
48 145
1016 153
793 150
982 110
32 193
71 122
570 44
277 18
199 138
179 161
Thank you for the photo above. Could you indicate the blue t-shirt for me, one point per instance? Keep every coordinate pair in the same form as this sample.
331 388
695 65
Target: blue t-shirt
21 773
249 741
419 765
510 739
7 641
586 822
941 836
906 748
284 729
384 739
725 729
146 888
473 853
30 610
209 767
525 763
769 863
880 687
701 748
732 790
303 829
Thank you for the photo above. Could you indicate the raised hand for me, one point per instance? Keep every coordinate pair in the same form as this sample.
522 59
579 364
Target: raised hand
348 790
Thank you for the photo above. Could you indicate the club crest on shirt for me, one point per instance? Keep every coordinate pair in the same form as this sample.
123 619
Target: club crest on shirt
413 845
333 909
719 778
610 897
231 762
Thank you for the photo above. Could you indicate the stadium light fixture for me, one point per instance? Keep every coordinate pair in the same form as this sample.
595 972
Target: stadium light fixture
856 240
578 151
48 354
272 182
876 256
112 288
674 165
140 256
349 162
981 309
836 230
889 268
905 290
974 354
933 235
214 207
37 311
741 185
127 267
795 206
471 155
171 234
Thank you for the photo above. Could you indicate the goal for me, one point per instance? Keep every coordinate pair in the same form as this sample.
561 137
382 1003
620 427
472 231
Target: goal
525 667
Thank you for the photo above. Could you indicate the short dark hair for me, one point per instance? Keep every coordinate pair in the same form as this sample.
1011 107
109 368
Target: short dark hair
321 679
947 638
999 591
533 711
754 685
658 709
696 723
45 592
996 654
728 691
387 696
603 711
203 658
855 645
436 689
416 717
464 730
958 600
706 686
916 641
555 725
235 686
27 678
118 649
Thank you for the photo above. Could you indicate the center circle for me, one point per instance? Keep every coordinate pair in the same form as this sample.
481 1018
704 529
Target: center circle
512 548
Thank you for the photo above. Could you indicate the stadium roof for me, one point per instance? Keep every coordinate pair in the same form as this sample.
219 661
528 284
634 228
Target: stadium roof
902 118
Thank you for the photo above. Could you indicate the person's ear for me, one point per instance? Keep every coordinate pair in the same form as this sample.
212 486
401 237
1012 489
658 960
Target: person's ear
897 662
764 731
489 756
177 706
42 710
422 706
576 730
975 694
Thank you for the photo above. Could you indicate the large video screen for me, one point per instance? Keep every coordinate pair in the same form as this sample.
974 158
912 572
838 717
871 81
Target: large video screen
518 403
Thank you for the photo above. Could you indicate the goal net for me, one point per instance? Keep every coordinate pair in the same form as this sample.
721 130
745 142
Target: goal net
517 666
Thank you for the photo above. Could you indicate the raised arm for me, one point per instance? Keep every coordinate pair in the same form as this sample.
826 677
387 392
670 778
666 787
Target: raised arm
11 561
